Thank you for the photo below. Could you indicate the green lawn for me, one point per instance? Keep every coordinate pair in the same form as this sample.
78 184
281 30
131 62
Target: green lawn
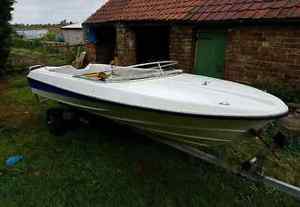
107 167
21 58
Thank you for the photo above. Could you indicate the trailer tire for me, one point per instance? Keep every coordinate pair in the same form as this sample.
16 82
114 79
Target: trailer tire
55 122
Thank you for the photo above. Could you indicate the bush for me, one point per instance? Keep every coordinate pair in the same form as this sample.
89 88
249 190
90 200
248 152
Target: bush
5 30
280 89
50 36
28 44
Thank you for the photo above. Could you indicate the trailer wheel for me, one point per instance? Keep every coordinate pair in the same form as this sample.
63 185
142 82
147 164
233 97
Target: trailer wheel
55 122
71 119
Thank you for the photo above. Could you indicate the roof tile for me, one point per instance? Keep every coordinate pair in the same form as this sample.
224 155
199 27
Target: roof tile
296 12
273 13
194 10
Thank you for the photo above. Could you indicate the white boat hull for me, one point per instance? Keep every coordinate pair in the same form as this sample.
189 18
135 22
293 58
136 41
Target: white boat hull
186 129
185 108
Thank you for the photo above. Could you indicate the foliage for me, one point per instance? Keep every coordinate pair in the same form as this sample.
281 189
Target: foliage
25 53
32 26
37 26
280 89
5 30
65 22
27 44
50 36
21 58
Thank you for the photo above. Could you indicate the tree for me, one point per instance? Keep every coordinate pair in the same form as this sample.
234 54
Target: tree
63 22
5 31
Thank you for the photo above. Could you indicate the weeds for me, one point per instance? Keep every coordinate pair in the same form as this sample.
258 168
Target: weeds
25 53
108 167
282 90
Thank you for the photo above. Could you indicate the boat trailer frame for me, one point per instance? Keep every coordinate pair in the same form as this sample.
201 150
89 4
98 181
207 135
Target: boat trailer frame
251 169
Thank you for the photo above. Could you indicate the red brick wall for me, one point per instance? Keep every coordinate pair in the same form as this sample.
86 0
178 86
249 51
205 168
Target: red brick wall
91 52
126 46
256 54
182 47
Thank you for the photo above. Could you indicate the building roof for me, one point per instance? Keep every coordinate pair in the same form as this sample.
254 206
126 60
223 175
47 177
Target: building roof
195 10
73 26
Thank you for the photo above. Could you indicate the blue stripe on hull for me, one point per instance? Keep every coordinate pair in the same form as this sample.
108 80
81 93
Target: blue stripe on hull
196 133
53 89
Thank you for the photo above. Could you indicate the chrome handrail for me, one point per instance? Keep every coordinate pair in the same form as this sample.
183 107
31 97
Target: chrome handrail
35 67
159 65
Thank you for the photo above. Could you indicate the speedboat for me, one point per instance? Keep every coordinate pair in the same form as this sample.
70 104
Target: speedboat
161 100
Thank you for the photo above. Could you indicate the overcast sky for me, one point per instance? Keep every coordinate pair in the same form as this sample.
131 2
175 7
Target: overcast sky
53 11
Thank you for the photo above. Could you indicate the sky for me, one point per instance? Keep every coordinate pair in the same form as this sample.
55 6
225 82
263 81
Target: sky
53 11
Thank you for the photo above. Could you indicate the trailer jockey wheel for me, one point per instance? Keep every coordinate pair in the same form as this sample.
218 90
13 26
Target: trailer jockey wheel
55 122
255 165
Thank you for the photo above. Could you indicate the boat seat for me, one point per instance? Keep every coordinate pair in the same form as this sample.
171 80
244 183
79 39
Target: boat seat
67 69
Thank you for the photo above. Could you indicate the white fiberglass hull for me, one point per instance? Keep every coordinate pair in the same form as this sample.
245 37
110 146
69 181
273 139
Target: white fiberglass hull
187 129
186 108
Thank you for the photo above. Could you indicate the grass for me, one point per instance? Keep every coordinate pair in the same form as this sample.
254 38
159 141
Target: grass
22 58
25 53
107 167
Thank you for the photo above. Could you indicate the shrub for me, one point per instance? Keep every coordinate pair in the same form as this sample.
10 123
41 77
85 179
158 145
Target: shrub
50 36
280 89
5 30
27 44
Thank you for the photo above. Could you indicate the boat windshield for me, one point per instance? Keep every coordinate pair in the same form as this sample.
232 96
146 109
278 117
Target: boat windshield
133 72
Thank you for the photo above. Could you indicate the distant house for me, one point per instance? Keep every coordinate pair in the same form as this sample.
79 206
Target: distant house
244 41
73 34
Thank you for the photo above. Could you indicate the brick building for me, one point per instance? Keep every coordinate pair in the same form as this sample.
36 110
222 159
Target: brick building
240 40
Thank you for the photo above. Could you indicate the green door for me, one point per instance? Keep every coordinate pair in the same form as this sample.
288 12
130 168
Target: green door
210 54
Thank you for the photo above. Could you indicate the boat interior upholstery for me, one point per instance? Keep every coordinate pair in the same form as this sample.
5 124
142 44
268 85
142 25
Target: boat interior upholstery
111 73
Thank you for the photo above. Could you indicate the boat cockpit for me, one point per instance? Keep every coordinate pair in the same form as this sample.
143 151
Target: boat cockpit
113 73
